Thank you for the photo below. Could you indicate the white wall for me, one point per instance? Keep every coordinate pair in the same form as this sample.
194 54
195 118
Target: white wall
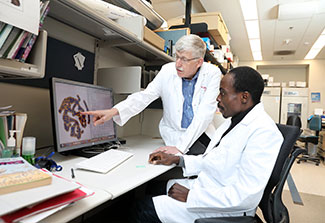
283 73
316 76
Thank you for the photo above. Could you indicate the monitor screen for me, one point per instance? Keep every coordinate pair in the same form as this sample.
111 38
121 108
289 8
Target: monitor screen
71 129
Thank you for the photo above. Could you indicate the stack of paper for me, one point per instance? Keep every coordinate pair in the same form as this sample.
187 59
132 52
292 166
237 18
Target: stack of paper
39 200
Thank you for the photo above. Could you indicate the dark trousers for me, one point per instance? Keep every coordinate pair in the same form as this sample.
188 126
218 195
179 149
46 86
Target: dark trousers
143 210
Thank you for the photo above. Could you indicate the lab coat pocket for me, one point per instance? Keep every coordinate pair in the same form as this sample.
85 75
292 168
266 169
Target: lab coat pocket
199 96
221 162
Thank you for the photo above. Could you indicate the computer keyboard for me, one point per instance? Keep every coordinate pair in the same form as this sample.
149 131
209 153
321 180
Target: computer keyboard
105 161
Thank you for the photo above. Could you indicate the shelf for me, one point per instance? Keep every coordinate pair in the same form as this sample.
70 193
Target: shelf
35 68
83 18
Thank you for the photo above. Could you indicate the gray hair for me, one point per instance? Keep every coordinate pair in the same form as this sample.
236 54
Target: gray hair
193 44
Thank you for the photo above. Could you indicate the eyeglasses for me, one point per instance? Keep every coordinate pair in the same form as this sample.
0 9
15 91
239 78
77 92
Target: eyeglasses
185 60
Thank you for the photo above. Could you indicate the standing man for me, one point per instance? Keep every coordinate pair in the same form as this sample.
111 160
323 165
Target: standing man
188 89
233 172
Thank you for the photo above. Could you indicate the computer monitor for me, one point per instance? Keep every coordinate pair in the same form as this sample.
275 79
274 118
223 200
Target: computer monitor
73 131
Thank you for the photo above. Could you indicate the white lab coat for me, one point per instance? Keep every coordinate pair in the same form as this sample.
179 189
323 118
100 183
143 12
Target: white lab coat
231 177
168 85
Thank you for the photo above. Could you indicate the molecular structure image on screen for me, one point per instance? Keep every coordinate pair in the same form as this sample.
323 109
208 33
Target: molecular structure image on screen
72 119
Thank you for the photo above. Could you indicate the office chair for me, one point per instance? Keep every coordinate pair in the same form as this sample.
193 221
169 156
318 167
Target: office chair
294 120
271 204
314 124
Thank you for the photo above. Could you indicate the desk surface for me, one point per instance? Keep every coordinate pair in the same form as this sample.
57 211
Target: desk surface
127 176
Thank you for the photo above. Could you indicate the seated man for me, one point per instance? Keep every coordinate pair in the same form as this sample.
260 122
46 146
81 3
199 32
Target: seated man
233 172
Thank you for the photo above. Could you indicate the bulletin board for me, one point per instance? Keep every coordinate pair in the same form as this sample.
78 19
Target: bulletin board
63 61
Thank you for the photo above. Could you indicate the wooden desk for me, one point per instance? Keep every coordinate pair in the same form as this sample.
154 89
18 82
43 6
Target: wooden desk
127 176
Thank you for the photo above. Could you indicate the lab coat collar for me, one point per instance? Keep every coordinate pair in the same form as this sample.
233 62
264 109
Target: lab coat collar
252 114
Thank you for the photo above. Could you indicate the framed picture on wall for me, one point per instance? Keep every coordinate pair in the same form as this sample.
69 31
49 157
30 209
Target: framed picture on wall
315 97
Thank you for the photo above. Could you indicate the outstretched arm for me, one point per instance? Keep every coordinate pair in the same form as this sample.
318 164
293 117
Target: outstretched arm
101 116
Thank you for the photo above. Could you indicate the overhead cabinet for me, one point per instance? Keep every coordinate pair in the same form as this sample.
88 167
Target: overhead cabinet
83 18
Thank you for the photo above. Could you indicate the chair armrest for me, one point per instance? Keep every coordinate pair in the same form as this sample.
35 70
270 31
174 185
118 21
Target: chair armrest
241 219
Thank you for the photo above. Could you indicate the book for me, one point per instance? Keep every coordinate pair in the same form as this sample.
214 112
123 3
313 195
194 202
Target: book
23 180
12 44
2 25
4 34
20 120
17 174
14 50
4 126
9 41
23 46
3 132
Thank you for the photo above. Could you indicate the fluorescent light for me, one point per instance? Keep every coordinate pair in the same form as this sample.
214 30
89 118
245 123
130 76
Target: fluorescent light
255 45
312 54
249 9
253 29
320 42
317 47
257 55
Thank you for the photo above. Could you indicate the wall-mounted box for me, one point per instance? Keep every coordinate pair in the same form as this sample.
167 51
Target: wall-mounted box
216 26
154 39
136 25
301 84
292 84
123 80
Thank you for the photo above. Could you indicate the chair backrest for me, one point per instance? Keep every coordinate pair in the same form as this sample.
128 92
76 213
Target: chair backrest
271 204
315 123
294 120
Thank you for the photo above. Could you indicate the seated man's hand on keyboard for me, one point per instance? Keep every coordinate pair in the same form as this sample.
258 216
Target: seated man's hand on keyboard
168 149
163 158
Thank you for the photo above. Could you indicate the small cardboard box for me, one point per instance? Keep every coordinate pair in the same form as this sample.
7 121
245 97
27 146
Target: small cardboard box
216 26
154 39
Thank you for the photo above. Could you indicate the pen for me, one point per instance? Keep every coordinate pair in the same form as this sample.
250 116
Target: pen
72 173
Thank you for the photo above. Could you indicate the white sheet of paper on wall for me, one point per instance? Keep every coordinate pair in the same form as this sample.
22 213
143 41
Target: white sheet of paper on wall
79 60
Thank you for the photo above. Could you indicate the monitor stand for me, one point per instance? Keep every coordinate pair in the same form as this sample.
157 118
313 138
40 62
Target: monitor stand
91 150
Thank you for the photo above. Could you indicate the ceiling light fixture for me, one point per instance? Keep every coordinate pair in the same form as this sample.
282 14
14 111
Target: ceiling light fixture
249 10
287 41
317 47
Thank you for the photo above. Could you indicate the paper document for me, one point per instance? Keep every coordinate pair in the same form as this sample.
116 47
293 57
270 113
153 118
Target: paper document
22 14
